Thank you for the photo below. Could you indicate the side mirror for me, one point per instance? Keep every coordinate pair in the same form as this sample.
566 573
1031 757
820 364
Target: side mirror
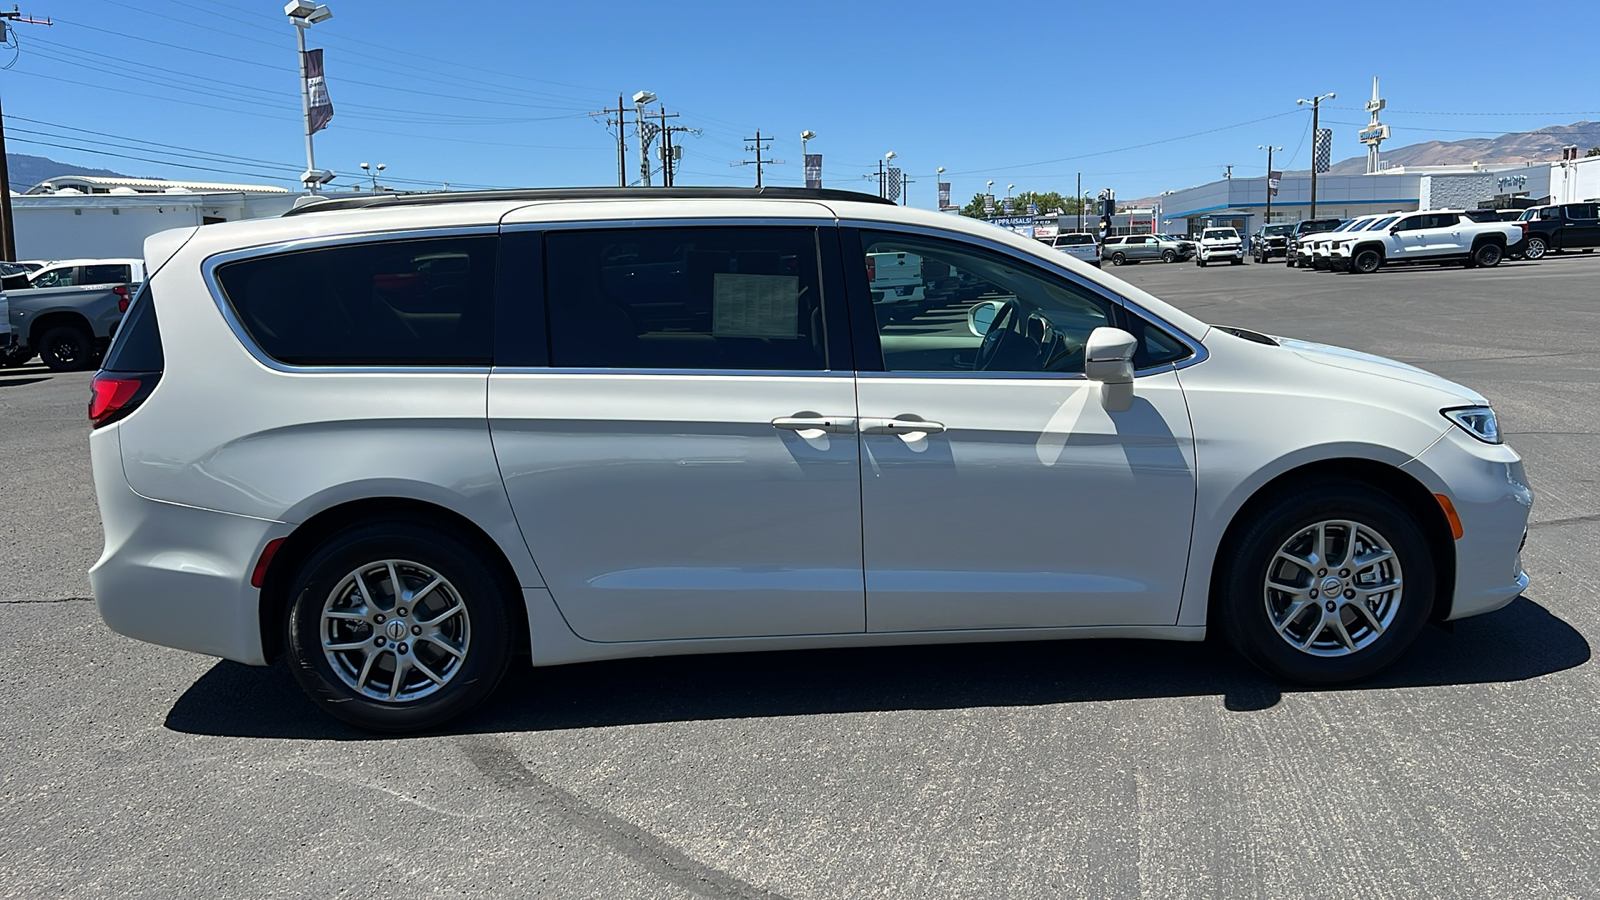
980 318
1394 229
1108 359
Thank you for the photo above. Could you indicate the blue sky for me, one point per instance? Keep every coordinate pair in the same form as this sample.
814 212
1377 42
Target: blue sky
1140 97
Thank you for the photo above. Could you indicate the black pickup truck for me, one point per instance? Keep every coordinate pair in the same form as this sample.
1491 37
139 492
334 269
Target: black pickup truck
1567 226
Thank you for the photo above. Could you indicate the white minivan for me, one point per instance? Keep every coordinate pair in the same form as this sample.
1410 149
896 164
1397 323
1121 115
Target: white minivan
404 439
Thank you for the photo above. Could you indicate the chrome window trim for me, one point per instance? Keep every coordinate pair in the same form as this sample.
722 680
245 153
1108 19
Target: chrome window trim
588 371
679 222
208 272
1197 350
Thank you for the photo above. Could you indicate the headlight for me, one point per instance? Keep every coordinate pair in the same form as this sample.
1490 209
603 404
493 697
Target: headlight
1477 421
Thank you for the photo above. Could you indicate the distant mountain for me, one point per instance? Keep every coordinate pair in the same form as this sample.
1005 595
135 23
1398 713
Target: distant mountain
1532 146
26 171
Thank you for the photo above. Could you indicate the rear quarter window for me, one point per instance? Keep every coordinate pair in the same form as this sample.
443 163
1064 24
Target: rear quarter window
424 302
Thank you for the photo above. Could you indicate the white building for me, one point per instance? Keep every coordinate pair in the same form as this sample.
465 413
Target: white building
81 216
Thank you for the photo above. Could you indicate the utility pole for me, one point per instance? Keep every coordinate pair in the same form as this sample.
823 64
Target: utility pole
905 188
621 121
666 131
1316 107
758 162
8 232
1079 197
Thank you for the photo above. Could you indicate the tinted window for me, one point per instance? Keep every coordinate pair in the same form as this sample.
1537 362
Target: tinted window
422 302
1550 212
137 347
1581 211
686 298
106 274
1376 224
1073 240
1040 321
1412 223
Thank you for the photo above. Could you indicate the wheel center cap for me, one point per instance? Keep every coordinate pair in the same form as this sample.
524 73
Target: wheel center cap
1331 586
395 629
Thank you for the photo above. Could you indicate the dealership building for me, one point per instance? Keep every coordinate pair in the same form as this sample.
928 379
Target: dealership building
1242 202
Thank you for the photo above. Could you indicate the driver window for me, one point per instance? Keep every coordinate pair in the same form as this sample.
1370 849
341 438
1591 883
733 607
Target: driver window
943 306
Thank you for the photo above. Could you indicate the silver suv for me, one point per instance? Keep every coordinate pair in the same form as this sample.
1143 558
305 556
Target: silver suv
1136 248
402 439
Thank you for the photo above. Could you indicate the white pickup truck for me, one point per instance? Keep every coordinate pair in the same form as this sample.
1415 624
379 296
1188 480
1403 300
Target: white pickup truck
1218 245
1438 236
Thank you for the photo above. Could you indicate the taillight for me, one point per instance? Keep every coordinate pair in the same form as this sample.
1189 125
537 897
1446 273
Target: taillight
115 394
123 297
872 269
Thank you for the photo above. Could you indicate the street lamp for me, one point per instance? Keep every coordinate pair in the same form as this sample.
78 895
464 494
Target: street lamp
1270 149
938 188
374 174
302 15
647 133
806 135
1316 104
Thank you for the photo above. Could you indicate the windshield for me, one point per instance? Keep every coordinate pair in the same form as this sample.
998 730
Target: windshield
1381 223
1277 230
1072 240
1220 234
1352 225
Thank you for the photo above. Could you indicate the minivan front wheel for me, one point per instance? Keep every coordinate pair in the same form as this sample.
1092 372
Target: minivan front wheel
1329 584
398 626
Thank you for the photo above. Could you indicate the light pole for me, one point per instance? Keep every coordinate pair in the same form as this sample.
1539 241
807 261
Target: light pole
938 182
988 198
805 160
1269 148
647 133
806 135
302 15
888 161
1316 104
373 173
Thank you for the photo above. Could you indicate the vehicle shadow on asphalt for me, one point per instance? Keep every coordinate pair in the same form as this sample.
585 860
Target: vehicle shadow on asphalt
1519 642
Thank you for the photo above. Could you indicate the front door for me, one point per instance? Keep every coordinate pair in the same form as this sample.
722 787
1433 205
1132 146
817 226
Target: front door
997 491
686 466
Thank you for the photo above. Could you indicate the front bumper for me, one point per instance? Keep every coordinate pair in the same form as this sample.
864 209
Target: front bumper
1490 493
1209 253
175 575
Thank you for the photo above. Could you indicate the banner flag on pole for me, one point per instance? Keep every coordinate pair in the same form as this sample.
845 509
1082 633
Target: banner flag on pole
1273 180
1322 150
893 188
944 195
813 170
988 204
317 88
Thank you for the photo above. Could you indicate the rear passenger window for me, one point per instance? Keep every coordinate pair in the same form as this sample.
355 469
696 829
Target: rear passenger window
106 274
1581 211
394 303
685 298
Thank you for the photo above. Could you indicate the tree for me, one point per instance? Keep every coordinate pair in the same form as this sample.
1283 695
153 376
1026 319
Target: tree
1593 151
1049 203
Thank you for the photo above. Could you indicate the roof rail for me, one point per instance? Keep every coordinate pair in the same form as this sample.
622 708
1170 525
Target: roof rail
431 198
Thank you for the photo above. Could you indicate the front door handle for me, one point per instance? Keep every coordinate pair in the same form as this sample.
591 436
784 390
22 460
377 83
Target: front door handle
829 424
899 426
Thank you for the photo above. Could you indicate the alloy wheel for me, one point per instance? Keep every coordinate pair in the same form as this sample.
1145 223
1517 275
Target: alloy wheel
1333 588
395 630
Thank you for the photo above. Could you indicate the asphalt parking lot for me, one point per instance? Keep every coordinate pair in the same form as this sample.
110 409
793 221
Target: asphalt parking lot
1082 769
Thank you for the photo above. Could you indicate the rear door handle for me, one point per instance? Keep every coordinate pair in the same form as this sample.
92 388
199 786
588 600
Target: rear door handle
829 424
899 426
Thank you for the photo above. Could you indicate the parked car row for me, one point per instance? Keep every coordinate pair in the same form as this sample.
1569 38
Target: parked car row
1438 237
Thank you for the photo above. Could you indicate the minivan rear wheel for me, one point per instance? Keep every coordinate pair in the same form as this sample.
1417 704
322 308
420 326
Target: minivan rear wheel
398 626
1329 584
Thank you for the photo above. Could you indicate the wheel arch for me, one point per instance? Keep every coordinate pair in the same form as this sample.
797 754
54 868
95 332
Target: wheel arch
49 320
1406 490
1379 246
273 608
1493 237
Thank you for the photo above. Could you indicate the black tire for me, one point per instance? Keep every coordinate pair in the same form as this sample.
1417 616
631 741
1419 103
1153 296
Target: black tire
1240 597
67 348
1200 262
1289 261
1118 259
1536 247
1367 261
1169 256
487 625
1236 261
1488 255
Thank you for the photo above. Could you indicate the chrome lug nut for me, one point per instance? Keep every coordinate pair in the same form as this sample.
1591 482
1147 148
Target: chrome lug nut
402 648
379 642
416 629
378 618
401 611
1349 594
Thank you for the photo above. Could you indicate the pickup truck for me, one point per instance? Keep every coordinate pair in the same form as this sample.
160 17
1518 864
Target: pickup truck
68 327
1297 252
1220 245
1569 226
1429 236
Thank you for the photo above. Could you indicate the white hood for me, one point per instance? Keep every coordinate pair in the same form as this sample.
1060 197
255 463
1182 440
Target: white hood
1356 361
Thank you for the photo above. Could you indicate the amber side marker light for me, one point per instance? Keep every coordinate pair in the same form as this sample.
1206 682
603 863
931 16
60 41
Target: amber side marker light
1450 515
